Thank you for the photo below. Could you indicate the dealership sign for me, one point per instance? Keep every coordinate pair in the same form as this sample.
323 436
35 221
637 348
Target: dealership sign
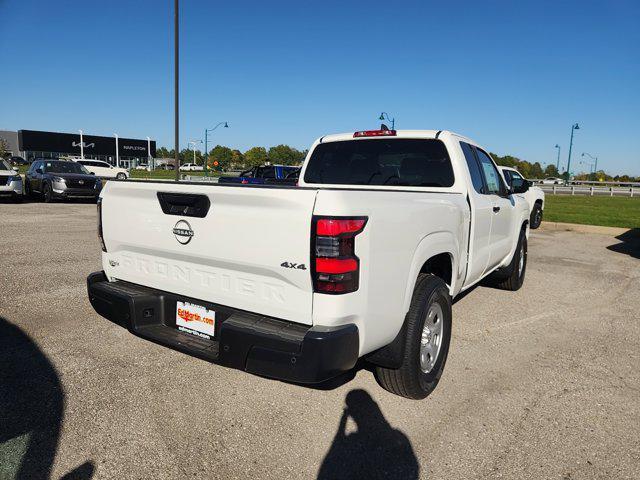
36 141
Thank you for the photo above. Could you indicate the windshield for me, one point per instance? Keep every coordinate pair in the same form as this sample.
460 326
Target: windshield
399 162
64 167
4 165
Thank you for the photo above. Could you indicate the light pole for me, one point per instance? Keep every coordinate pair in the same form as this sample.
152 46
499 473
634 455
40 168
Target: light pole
149 158
81 145
595 170
193 143
558 162
575 126
117 151
392 120
175 93
206 143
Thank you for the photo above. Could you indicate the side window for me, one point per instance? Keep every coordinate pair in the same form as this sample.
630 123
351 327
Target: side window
269 172
474 168
507 176
491 175
516 176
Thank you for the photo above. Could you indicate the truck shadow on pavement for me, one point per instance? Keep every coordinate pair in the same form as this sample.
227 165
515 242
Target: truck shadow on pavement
375 450
629 243
31 409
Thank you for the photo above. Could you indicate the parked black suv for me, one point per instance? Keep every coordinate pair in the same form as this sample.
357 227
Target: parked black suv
53 179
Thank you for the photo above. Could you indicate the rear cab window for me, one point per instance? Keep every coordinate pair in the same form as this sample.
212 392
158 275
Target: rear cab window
381 162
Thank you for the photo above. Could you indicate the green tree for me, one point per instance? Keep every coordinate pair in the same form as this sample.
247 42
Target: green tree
237 159
162 152
221 154
286 155
255 156
536 171
4 148
551 171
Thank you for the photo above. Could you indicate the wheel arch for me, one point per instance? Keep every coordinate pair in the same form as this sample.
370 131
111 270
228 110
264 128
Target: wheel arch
436 253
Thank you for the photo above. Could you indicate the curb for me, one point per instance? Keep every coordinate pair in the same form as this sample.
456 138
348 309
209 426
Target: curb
577 227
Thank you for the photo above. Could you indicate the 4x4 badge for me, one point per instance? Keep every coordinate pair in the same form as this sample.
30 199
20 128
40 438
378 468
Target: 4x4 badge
297 266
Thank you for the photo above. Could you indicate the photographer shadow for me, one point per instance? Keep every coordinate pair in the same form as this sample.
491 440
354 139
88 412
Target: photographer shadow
375 450
31 409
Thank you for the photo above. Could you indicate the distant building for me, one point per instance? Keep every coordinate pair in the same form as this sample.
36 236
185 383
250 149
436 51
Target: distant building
30 144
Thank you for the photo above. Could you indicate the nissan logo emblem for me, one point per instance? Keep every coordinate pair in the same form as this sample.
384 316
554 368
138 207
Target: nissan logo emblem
183 232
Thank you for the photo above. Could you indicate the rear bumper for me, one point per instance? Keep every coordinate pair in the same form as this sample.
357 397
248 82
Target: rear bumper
260 345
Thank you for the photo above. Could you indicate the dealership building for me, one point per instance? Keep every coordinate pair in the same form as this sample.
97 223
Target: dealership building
30 144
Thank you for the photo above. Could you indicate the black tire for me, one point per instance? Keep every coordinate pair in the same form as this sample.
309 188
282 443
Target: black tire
512 276
121 176
536 216
47 193
410 381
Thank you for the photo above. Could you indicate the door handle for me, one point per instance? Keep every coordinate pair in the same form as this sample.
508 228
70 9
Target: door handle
496 209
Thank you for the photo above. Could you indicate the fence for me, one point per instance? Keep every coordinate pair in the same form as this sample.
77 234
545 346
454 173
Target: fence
591 190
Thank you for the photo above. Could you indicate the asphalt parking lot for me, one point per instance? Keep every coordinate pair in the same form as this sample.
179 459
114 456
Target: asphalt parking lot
540 383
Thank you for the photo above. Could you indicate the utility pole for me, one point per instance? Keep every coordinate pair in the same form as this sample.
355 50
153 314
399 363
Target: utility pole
558 162
176 104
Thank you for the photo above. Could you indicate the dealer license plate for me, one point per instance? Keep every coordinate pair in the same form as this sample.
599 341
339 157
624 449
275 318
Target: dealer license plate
196 320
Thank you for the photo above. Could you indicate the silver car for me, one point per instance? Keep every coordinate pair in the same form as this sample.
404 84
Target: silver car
10 182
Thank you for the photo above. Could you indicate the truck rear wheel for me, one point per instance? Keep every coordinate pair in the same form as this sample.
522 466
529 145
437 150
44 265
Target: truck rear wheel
428 333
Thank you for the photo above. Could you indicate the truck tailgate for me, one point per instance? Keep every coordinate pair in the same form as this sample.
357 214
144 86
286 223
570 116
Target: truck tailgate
233 256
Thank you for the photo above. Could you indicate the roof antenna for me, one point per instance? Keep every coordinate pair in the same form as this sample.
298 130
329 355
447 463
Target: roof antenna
384 128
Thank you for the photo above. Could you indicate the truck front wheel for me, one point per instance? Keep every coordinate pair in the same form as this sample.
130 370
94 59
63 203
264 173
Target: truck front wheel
536 216
428 333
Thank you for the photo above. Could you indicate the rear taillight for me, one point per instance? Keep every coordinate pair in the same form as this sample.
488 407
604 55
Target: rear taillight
99 205
375 133
335 267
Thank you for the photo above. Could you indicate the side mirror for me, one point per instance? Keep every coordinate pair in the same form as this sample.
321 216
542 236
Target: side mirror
39 170
92 173
519 186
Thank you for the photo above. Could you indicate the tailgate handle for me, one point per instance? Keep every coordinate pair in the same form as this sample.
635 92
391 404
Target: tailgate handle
184 204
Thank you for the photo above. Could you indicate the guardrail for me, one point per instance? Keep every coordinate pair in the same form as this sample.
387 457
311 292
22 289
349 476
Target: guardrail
590 190
538 181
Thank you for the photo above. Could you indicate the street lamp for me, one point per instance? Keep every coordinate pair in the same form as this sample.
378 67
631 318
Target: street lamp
206 143
595 170
392 120
117 151
193 143
574 127
558 162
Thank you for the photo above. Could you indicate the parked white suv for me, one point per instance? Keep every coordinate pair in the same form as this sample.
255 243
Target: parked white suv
11 184
103 169
191 167
361 260
534 196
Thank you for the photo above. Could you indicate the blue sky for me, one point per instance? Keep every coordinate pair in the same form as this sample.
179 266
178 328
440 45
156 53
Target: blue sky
511 75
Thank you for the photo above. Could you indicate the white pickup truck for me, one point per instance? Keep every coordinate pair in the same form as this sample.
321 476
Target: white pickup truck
534 196
360 260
